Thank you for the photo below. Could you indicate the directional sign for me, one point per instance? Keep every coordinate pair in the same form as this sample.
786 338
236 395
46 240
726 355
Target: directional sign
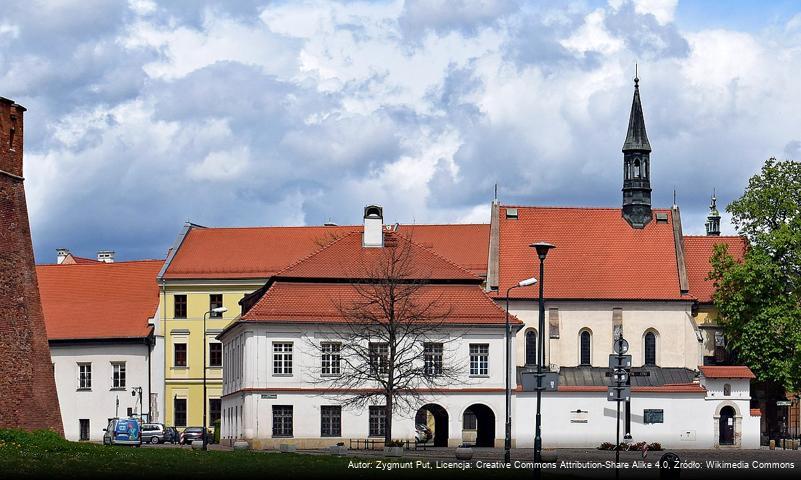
620 346
618 394
783 403
620 376
619 361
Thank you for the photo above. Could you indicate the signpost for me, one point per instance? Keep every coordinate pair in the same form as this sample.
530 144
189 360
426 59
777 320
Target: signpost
620 365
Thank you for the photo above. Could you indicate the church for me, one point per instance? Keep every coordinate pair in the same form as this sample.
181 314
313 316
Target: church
614 271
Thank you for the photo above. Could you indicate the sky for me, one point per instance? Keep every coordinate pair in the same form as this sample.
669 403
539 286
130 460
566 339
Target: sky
143 115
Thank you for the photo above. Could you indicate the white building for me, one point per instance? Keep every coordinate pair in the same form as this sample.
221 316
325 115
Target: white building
99 318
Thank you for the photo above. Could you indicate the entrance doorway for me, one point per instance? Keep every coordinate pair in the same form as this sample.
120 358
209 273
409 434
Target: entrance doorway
726 426
479 425
83 429
435 418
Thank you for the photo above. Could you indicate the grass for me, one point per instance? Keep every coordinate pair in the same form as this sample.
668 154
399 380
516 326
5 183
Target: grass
45 454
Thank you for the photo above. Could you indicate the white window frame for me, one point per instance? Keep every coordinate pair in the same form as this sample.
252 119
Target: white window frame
84 375
479 359
331 359
118 378
282 359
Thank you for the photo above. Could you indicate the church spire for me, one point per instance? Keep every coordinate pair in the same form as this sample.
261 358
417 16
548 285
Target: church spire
637 166
713 220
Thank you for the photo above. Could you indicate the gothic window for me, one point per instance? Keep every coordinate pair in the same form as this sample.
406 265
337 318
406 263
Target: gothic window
637 168
627 170
650 348
644 169
531 347
585 349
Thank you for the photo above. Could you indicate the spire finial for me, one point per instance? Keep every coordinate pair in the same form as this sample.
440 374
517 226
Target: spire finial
714 200
636 76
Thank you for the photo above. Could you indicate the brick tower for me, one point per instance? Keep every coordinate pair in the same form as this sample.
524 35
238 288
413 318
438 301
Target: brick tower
28 397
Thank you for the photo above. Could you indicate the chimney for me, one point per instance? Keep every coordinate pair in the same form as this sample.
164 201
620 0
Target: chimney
105 256
373 235
11 137
61 255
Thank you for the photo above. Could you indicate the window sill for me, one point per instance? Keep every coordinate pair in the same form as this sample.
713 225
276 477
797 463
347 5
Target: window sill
479 376
117 389
283 436
83 389
179 367
282 375
214 367
330 375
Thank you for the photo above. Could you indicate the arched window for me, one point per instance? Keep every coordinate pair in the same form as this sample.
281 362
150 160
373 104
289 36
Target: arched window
585 348
626 170
644 169
650 348
726 390
531 347
637 168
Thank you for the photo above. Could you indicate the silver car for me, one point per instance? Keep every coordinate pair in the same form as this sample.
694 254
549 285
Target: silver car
153 433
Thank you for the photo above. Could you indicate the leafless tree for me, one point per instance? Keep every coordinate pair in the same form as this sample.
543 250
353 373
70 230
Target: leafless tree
391 346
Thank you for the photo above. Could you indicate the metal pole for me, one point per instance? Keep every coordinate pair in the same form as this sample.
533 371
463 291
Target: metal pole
540 361
617 435
507 443
205 431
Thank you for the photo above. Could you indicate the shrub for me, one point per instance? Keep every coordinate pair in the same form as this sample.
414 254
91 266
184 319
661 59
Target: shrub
656 446
638 447
394 443
606 446
45 440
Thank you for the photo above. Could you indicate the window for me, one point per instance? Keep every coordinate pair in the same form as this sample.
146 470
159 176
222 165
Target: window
379 358
282 358
215 301
726 390
469 420
83 427
215 407
179 357
118 377
653 415
531 347
637 168
432 358
85 376
330 358
180 306
215 354
330 421
479 359
585 349
179 412
378 417
650 348
282 420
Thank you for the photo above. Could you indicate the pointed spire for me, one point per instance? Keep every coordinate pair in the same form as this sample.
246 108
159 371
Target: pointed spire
713 219
636 137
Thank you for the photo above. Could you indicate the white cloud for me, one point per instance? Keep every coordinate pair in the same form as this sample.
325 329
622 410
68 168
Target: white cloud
221 165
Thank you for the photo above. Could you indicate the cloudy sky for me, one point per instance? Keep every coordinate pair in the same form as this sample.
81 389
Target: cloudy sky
143 114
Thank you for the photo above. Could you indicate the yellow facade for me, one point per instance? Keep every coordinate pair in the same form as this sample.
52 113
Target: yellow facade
186 382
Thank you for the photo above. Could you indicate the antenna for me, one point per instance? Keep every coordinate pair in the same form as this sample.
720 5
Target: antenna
674 197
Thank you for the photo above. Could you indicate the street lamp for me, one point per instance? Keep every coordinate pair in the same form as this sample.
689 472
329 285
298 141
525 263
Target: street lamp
542 249
507 443
219 310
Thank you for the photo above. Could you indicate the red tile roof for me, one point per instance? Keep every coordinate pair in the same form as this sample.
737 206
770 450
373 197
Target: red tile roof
598 255
734 371
100 300
697 252
295 302
755 412
261 252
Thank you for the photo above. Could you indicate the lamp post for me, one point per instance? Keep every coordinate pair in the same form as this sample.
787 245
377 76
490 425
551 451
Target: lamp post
219 310
507 442
542 249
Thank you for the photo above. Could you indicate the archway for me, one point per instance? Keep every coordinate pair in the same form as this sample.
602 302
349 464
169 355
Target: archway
726 426
479 423
435 418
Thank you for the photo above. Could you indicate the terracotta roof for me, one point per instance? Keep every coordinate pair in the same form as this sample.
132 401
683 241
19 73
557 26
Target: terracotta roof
296 302
755 412
260 252
734 371
345 258
697 252
100 300
74 260
598 255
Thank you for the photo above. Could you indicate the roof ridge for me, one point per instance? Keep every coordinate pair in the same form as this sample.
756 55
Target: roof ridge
570 207
98 263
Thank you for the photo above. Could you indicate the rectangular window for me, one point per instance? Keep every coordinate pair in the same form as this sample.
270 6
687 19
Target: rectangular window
282 420
180 306
83 426
179 357
215 354
215 301
282 358
379 358
215 407
479 359
653 415
378 415
470 420
85 376
118 377
179 412
432 358
330 358
330 421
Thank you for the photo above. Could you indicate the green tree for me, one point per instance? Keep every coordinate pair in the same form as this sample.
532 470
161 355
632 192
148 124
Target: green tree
758 298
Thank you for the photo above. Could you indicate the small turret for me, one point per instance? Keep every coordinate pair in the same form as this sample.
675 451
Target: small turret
637 166
713 219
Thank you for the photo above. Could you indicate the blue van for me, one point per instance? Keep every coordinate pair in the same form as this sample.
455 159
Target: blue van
123 431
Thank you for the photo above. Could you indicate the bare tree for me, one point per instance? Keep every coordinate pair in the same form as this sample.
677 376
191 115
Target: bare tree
392 343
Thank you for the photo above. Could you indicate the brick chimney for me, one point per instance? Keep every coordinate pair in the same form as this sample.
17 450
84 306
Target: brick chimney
61 255
373 235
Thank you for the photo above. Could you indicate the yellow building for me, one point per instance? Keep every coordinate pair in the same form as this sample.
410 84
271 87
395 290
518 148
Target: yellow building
212 267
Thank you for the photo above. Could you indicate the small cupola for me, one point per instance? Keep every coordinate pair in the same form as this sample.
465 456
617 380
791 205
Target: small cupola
373 235
61 255
713 220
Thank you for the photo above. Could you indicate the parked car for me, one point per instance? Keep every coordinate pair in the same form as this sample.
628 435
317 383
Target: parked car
171 435
153 433
123 431
191 434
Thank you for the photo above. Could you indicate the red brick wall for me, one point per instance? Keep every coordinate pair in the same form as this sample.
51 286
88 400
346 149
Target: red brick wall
27 389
